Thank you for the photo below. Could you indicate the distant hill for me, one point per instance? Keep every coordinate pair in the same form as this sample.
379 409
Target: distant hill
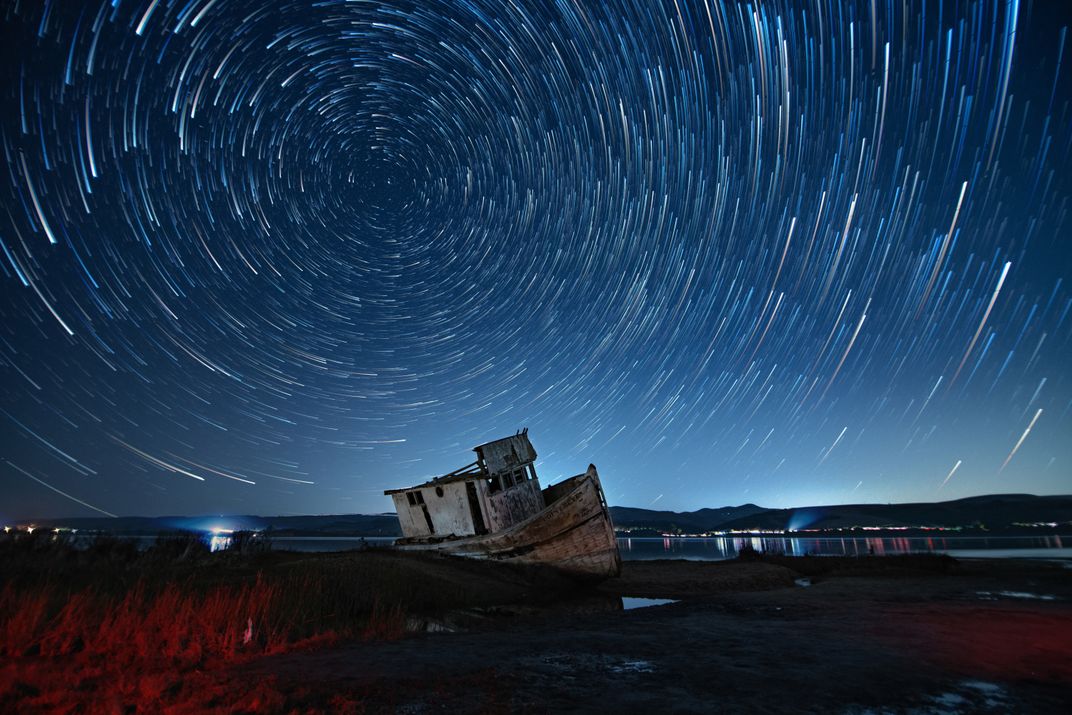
690 521
322 525
995 512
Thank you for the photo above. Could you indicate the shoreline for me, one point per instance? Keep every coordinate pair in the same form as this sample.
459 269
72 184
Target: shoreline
741 637
915 633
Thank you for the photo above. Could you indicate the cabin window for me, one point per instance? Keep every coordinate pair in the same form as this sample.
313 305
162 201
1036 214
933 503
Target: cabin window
532 471
411 498
507 480
439 491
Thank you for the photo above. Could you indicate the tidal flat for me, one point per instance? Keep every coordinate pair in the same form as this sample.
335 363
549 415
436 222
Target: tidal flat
177 629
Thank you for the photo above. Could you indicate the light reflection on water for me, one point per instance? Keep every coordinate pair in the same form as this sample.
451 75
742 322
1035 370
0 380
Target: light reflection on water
727 547
223 541
220 542
716 548
631 602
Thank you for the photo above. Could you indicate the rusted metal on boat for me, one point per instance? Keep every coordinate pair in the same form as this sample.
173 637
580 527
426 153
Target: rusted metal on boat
494 508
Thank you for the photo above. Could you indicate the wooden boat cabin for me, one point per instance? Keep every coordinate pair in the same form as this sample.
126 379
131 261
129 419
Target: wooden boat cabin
492 494
494 508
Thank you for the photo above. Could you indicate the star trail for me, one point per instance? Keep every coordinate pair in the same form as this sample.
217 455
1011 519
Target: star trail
275 257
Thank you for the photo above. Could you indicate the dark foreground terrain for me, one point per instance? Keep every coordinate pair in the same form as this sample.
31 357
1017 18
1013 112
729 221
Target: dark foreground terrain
394 632
893 640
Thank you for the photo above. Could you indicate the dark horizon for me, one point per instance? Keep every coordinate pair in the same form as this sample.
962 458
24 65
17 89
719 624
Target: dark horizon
210 516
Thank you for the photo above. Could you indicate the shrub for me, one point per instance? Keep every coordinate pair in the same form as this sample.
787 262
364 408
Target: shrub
179 546
112 549
249 542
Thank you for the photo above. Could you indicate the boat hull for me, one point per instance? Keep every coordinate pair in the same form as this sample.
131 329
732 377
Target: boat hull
573 533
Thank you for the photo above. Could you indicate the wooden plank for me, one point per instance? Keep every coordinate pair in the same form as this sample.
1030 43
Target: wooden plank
573 533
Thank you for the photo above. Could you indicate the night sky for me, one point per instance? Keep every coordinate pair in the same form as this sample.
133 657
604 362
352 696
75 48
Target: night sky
275 257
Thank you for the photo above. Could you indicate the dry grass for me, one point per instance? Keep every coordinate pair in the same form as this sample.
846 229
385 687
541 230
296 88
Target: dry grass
109 625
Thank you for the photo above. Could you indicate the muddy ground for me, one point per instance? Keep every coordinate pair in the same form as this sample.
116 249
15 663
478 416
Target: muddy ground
111 630
931 637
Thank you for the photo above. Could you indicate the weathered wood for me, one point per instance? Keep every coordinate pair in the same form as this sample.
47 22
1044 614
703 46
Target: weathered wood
573 533
502 513
469 470
507 453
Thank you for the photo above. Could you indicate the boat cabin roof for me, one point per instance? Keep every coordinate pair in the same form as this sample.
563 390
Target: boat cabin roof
493 457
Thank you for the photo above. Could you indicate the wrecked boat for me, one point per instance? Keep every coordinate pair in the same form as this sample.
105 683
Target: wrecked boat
495 508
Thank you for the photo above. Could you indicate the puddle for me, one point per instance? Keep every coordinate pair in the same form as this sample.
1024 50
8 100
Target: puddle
429 625
629 603
584 667
1021 595
991 689
972 696
634 666
950 700
467 619
802 582
969 697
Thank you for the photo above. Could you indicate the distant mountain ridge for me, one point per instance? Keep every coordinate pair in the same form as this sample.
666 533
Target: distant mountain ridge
993 511
693 521
311 525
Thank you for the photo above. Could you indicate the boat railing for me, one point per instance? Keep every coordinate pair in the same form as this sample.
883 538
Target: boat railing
470 470
554 492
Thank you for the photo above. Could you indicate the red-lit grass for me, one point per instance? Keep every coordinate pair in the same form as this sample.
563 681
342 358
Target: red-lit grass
182 625
150 645
22 615
115 631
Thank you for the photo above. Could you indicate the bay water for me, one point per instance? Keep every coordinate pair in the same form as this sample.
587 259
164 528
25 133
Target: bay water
720 548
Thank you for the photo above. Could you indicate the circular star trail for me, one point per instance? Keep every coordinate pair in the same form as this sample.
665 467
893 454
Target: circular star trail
275 257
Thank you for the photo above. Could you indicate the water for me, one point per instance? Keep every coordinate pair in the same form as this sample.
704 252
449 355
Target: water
727 547
221 541
722 548
631 602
